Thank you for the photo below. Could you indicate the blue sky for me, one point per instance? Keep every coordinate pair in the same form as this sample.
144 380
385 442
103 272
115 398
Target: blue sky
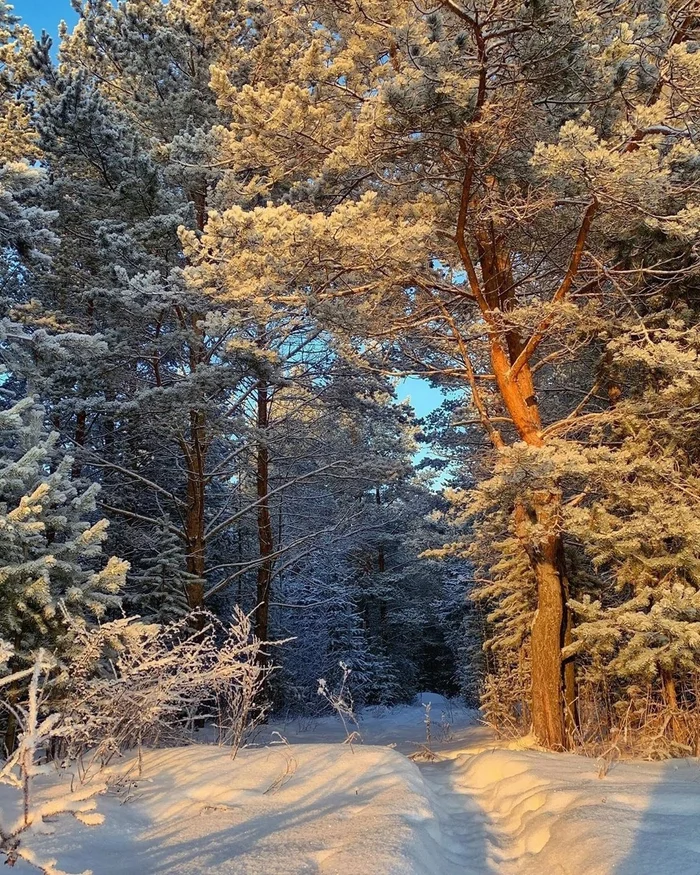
424 398
45 15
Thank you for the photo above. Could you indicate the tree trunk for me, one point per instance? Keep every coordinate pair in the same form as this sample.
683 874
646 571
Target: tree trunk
548 626
13 695
494 294
552 619
571 715
381 567
265 533
671 696
195 453
381 559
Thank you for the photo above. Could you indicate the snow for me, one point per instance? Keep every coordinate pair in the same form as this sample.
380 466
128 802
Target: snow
553 813
452 726
286 809
316 805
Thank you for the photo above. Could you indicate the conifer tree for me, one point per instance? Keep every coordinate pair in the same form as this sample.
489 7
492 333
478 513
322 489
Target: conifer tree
158 585
236 446
51 552
477 172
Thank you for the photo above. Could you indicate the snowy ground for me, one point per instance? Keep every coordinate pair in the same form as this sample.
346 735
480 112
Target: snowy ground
452 727
313 805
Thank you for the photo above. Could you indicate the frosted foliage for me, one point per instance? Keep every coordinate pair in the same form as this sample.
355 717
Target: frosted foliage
123 684
129 684
52 554
267 214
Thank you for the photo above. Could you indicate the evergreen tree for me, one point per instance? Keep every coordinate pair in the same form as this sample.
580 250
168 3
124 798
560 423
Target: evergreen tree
157 587
234 441
51 553
400 171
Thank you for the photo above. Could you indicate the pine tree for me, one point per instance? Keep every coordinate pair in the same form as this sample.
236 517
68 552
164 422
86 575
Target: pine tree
220 431
384 157
154 378
17 77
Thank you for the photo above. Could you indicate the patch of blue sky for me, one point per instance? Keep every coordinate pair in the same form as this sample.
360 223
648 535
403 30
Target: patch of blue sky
423 397
45 15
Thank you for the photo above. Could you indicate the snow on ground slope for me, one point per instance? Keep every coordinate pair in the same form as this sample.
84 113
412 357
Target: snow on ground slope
551 814
276 811
327 808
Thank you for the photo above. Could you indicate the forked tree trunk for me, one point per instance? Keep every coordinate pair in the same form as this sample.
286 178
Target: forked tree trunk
553 684
494 294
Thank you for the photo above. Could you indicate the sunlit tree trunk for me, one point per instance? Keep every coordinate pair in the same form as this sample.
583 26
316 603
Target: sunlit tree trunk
553 683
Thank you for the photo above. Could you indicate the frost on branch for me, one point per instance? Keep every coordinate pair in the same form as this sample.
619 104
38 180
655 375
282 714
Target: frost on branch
20 769
341 702
132 684
123 685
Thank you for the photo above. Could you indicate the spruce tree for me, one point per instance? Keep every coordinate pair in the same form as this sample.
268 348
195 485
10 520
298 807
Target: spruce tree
157 590
52 566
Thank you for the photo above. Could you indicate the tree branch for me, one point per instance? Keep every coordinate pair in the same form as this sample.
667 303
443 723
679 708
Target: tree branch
563 290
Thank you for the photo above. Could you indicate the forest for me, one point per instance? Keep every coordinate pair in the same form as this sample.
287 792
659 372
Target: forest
232 232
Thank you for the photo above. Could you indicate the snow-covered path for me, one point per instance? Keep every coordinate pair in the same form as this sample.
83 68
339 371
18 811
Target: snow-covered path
510 810
310 805
462 835
465 830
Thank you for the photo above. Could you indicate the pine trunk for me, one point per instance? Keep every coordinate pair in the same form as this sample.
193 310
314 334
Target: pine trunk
547 691
550 714
571 715
265 533
671 697
194 523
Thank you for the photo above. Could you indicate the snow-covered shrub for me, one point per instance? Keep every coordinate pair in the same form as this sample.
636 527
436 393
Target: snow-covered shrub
20 769
123 685
130 684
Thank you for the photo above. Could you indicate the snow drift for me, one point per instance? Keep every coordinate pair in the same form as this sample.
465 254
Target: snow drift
293 809
283 810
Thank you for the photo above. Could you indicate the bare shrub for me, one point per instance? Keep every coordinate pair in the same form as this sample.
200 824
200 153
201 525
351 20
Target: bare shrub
341 702
133 685
22 767
124 685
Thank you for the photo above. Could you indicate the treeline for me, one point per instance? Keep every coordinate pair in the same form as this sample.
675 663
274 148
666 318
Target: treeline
232 223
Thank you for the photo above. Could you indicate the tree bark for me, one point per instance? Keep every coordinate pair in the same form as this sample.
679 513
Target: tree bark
548 626
671 696
553 684
381 568
265 533
195 453
571 715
